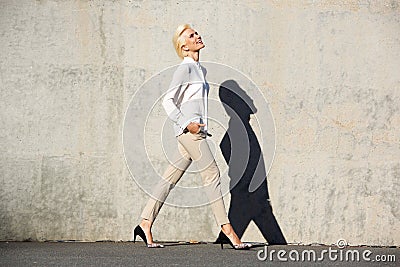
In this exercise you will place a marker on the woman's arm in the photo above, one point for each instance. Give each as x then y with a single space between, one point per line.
180 81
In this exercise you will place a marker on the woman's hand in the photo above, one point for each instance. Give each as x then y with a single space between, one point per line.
194 127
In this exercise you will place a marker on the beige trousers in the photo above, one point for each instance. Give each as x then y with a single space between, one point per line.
192 147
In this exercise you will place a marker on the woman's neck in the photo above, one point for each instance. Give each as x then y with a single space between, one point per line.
194 55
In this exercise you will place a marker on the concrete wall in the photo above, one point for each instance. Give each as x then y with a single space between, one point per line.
329 70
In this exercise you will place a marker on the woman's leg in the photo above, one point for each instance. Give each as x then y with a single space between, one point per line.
198 149
171 176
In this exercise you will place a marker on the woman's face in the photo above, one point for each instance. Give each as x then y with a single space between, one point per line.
193 41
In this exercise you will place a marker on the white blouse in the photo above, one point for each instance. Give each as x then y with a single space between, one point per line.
186 99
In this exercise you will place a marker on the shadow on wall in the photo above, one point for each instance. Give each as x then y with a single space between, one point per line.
242 153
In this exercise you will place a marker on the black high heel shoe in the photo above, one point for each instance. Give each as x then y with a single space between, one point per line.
222 238
139 231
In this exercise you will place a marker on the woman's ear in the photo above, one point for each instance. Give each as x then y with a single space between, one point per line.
185 48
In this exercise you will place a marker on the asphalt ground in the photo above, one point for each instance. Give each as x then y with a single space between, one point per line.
185 254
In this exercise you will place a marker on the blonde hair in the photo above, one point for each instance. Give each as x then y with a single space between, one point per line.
178 40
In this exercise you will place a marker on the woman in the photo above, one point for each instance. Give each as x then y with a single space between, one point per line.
186 105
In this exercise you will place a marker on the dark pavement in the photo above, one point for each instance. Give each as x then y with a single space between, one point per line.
174 254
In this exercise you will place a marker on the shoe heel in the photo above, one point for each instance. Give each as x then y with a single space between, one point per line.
138 231
222 245
135 233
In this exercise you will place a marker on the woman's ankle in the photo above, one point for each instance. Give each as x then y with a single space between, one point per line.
227 229
145 224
